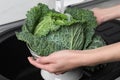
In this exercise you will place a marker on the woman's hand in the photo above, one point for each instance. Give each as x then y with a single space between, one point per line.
105 14
64 60
100 15
60 61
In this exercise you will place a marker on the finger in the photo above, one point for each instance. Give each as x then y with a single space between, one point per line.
43 60
36 64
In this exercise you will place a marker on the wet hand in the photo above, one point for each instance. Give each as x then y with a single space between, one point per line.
58 62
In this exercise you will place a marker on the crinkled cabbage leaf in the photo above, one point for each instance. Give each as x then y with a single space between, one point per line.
47 31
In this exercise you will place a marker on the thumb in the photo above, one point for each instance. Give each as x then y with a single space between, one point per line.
43 60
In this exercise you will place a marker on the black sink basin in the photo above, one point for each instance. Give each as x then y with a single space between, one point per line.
15 65
14 53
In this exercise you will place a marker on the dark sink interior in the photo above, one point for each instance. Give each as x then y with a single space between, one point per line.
14 64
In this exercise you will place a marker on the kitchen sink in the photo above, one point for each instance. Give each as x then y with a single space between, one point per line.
15 66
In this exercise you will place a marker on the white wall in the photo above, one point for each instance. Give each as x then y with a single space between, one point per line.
13 10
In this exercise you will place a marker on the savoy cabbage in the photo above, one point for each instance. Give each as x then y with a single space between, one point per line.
46 30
